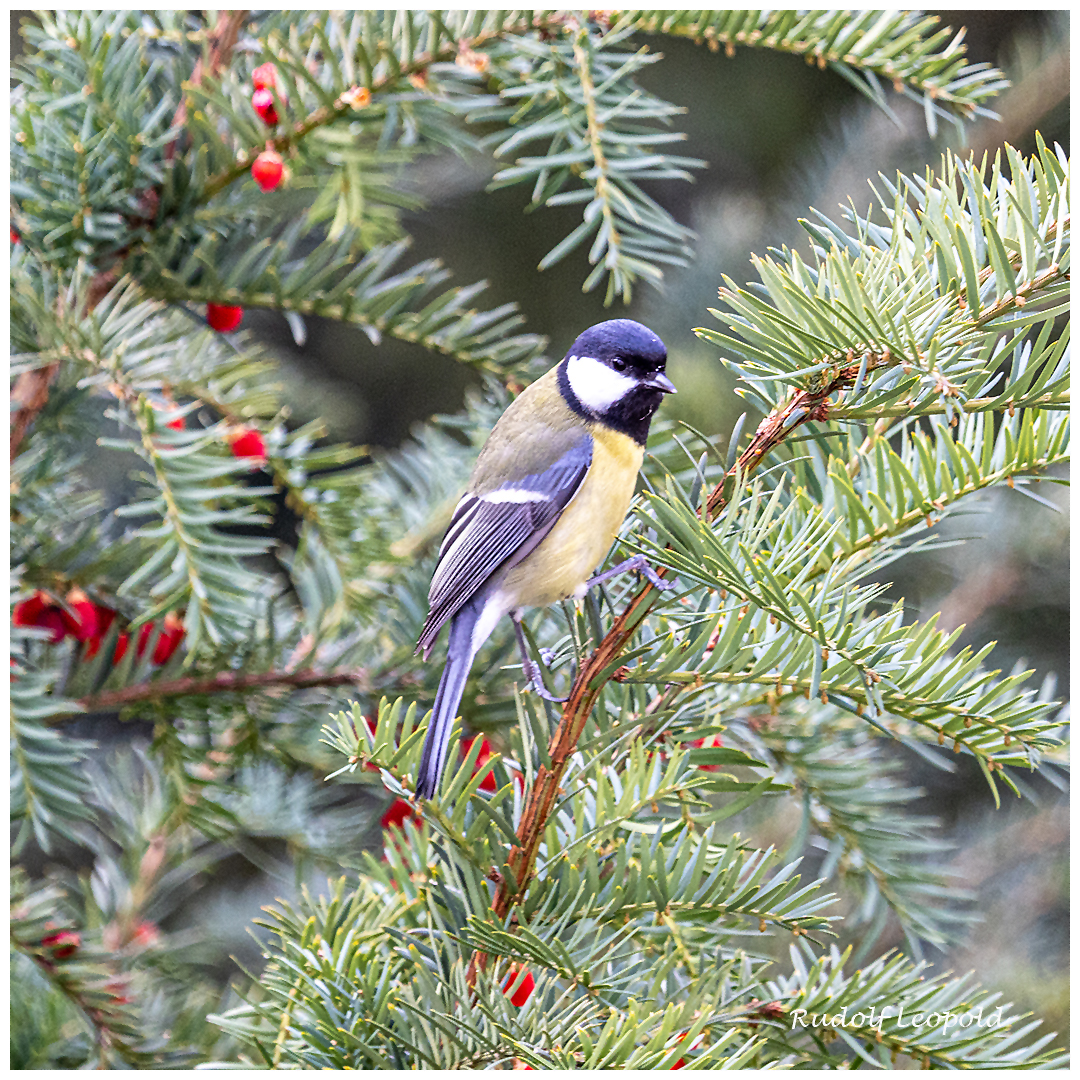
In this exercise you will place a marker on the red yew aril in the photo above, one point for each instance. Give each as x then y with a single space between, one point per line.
62 943
488 783
168 641
264 77
681 1063
105 618
262 101
144 638
117 989
248 443
267 170
145 934
172 633
43 612
399 811
525 987
707 742
223 317
81 616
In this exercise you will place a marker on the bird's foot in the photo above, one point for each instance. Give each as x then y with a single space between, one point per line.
533 674
638 564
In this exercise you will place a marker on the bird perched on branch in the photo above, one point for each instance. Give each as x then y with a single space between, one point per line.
549 491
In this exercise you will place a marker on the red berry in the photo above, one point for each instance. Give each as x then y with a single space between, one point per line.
400 811
105 617
62 944
81 620
262 101
681 1063
15 237
264 77
172 633
708 742
249 443
145 934
223 317
525 987
268 170
488 783
177 424
144 636
27 612
42 611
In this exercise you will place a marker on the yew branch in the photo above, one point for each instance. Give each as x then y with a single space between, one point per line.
601 666
222 683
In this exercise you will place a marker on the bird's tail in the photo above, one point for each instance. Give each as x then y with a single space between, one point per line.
460 654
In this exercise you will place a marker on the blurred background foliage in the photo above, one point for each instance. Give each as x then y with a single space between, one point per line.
778 137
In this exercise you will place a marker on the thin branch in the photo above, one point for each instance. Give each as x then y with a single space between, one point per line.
595 130
224 682
30 393
1059 401
602 665
327 114
221 40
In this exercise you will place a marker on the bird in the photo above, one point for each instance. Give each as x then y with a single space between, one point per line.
541 509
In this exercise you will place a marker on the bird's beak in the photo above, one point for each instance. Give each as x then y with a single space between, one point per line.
659 381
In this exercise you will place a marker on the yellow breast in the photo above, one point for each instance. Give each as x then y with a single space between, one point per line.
561 564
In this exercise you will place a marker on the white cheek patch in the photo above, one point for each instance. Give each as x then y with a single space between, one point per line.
514 495
596 385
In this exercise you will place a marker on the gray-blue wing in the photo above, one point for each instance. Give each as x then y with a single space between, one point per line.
498 528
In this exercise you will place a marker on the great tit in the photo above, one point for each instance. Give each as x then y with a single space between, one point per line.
549 491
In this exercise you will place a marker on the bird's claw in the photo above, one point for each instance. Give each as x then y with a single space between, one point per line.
532 673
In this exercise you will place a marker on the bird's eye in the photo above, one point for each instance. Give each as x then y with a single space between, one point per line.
618 363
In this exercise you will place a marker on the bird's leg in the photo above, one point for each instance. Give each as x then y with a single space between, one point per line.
531 670
638 563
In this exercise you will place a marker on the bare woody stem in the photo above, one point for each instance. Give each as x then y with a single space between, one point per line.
602 665
221 41
29 394
221 683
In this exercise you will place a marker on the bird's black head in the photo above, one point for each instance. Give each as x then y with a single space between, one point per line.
614 373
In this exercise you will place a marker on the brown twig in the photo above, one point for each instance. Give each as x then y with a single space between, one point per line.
326 114
602 665
221 41
30 392
221 683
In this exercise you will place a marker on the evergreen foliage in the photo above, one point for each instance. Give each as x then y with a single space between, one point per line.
577 896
